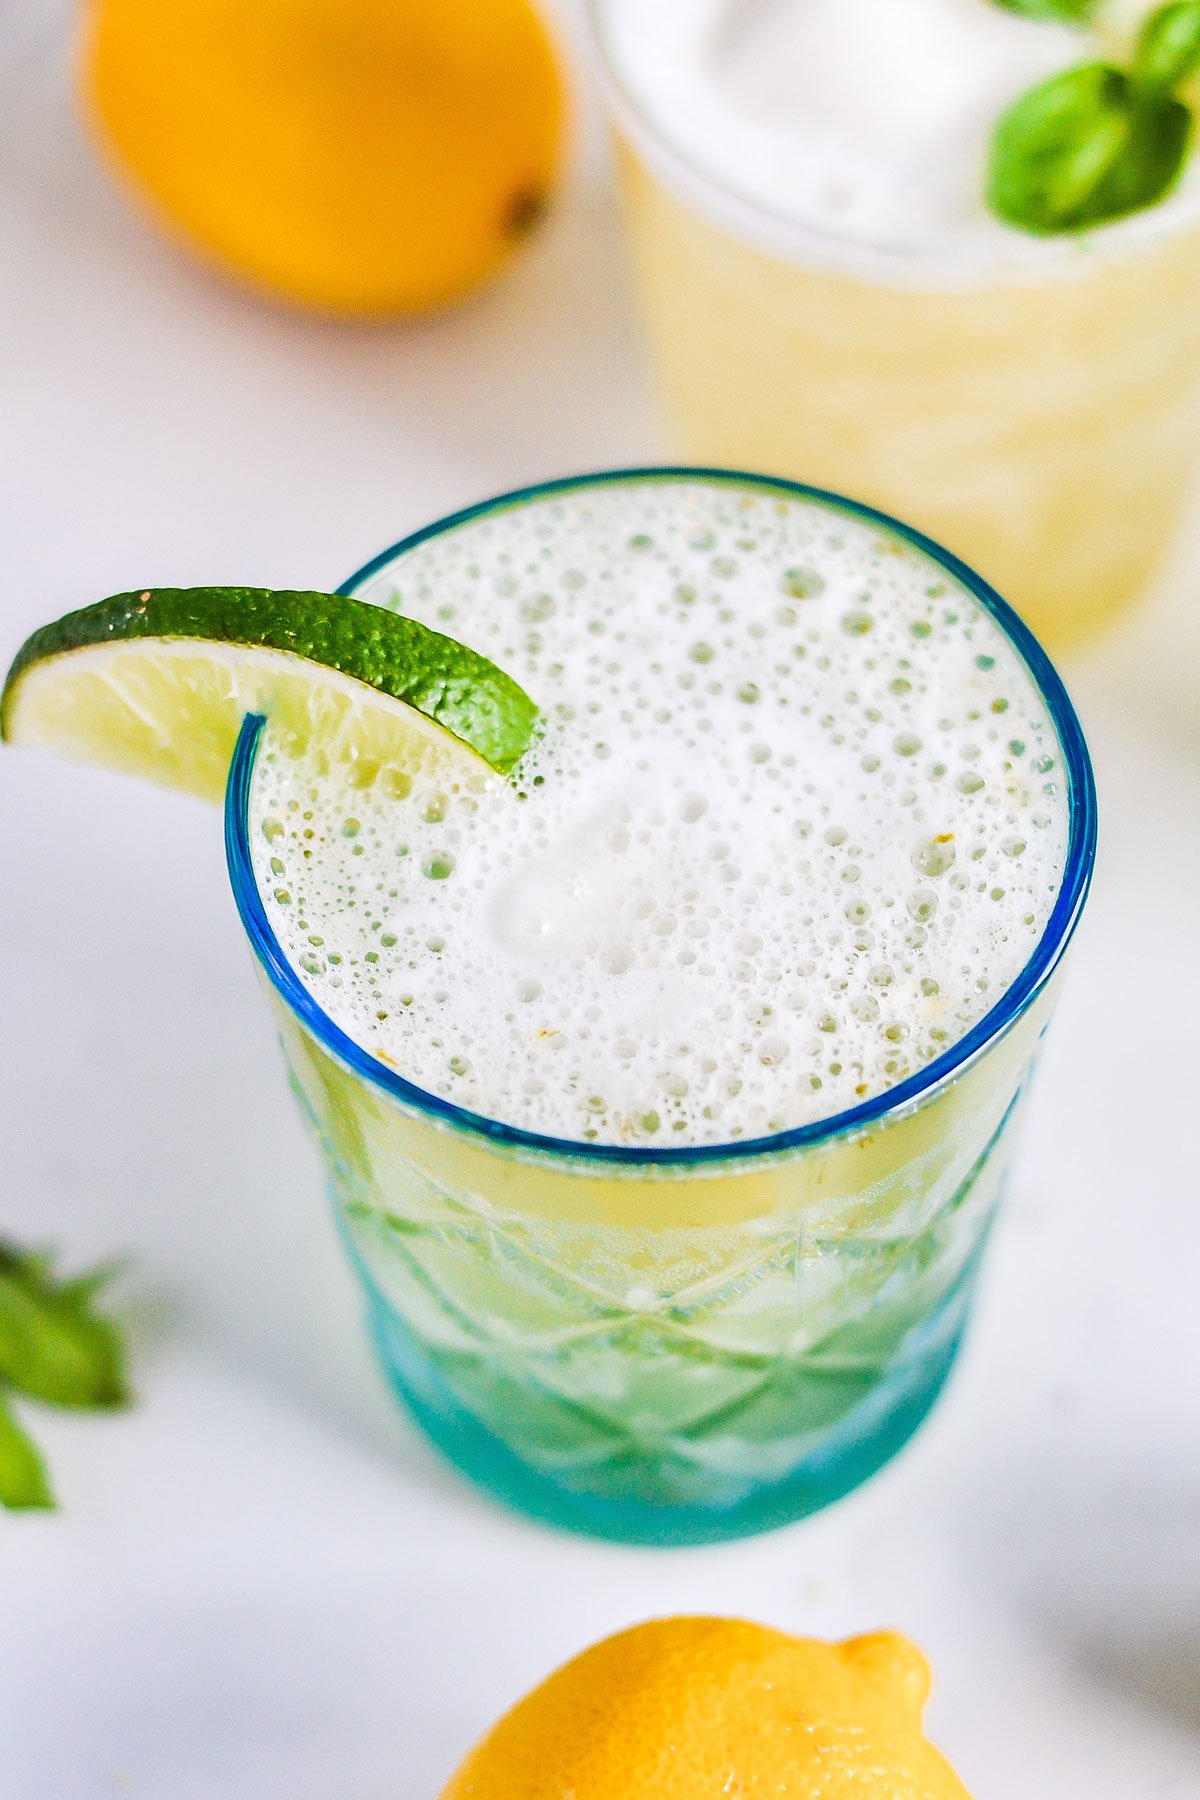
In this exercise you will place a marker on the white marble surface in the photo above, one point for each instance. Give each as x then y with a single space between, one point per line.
261 1585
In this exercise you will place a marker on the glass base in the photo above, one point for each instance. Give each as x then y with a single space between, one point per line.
866 1438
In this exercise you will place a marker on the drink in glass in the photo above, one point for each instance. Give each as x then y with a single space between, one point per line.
667 1087
827 297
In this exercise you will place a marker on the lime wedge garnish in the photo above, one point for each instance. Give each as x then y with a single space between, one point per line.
158 683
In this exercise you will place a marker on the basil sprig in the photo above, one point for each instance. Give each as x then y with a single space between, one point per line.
1098 142
56 1348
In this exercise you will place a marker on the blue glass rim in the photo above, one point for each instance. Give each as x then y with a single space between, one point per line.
1077 873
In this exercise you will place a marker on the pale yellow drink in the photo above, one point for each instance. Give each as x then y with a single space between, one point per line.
1038 415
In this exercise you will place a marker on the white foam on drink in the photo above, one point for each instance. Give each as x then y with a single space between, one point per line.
796 822
869 120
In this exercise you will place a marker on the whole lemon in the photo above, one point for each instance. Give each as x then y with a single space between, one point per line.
684 1708
359 156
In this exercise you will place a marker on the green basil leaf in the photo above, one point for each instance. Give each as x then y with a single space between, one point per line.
1074 12
1084 148
53 1347
1167 51
23 1479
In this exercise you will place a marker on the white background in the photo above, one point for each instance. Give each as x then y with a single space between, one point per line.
262 1586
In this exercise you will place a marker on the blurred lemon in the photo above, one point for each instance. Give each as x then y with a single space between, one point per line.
359 156
682 1708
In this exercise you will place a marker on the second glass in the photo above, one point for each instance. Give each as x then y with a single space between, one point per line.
1042 419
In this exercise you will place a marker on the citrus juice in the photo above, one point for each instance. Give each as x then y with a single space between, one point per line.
827 297
667 1084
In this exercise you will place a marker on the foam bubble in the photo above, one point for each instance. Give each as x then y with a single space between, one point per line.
761 865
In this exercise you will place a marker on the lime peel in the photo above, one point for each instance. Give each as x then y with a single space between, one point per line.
158 681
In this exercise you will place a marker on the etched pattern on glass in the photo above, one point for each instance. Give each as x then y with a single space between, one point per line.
671 1364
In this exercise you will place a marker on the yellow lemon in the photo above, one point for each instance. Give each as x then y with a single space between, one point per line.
358 156
684 1708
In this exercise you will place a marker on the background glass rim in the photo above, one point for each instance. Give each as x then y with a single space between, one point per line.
915 1089
780 234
